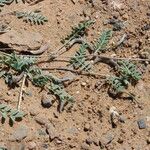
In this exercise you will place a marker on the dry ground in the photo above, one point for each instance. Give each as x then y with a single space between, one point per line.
87 125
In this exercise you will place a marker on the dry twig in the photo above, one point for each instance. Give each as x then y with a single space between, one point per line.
21 92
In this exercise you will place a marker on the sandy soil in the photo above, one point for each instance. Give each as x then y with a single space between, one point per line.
87 126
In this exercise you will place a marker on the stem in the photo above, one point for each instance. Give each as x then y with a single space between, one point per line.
21 92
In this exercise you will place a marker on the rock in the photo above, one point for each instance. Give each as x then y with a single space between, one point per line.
87 12
120 140
45 146
41 120
16 146
106 139
74 1
83 84
125 17
87 127
22 40
19 134
32 146
29 93
84 146
34 112
89 141
8 93
95 141
58 141
51 131
122 119
141 123
46 101
72 130
42 132
56 114
148 140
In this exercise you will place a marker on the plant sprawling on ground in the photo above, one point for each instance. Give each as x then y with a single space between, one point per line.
13 114
13 67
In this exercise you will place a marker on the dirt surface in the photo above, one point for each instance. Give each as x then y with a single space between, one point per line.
87 126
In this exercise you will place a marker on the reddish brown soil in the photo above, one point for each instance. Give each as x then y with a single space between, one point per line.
87 125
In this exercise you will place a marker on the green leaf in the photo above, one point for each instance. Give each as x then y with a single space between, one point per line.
60 92
5 2
2 72
19 63
79 60
4 115
12 119
2 106
129 70
117 84
32 17
79 30
103 40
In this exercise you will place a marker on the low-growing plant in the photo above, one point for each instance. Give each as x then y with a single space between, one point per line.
21 63
5 2
102 42
25 64
79 30
128 73
129 70
32 17
12 114
79 59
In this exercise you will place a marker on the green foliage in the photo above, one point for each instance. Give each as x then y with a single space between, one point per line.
8 78
13 115
59 91
5 2
128 73
79 60
3 148
39 79
103 40
118 84
18 63
32 17
129 70
79 30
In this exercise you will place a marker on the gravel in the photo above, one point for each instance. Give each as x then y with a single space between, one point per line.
41 120
19 134
141 123
46 103
51 131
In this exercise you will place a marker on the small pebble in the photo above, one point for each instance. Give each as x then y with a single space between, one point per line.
58 141
33 112
8 93
84 146
89 141
41 120
106 139
50 129
87 127
120 140
32 146
46 102
148 140
83 83
122 119
19 133
141 123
